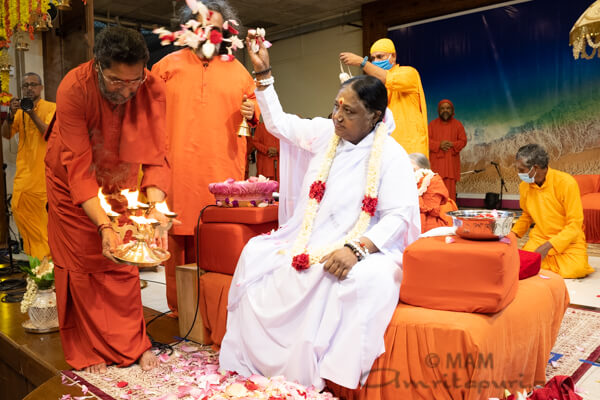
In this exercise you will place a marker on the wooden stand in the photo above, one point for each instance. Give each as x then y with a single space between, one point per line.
187 299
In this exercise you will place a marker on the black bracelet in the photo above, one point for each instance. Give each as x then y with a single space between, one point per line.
354 251
264 71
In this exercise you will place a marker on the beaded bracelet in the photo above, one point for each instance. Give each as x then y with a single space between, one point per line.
355 250
102 227
364 61
264 71
265 82
362 246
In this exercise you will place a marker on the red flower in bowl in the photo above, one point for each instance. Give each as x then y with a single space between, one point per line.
317 190
369 205
301 261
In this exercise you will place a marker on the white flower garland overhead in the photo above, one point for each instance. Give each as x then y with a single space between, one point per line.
423 177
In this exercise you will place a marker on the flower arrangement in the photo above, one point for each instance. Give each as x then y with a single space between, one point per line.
303 257
40 276
423 177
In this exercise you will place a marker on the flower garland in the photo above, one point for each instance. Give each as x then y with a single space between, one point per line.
29 295
423 177
303 257
195 33
5 96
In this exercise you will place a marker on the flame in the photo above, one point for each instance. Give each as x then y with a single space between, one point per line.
104 204
142 220
163 208
132 199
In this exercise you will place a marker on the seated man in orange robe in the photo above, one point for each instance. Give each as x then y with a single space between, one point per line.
109 121
432 193
447 138
267 149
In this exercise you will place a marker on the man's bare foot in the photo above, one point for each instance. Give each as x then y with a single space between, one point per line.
96 368
148 361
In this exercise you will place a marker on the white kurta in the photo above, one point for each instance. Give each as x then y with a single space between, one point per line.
309 326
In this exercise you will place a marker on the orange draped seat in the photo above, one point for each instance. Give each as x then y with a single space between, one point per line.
589 188
438 354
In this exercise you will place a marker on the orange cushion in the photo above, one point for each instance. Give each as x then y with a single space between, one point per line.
468 275
221 244
588 183
212 303
591 201
241 215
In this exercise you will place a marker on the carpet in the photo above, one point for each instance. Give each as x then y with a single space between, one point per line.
577 346
190 372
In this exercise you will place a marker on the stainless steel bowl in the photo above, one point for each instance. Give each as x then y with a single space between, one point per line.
482 224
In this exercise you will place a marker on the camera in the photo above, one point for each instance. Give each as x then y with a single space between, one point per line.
26 104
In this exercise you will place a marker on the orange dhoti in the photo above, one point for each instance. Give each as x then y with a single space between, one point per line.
31 217
114 330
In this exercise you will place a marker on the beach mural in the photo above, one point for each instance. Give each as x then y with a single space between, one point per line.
513 80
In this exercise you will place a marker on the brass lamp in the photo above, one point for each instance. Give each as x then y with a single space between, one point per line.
64 5
585 33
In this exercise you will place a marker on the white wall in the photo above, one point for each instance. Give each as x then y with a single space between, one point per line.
306 68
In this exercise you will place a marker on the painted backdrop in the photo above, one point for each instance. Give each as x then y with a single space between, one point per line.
513 80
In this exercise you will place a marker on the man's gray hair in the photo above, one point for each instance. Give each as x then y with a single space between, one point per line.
420 160
39 78
533 154
220 6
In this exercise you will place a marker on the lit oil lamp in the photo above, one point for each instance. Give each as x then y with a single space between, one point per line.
139 251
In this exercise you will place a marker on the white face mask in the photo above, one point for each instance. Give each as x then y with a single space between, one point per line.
524 176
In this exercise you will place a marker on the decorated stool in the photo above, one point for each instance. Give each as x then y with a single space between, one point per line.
225 231
466 275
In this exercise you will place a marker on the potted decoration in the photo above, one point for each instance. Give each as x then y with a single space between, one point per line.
39 301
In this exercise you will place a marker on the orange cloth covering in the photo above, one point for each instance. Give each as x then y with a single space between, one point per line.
589 187
94 143
29 187
262 141
447 163
435 354
449 276
407 102
430 204
203 118
556 209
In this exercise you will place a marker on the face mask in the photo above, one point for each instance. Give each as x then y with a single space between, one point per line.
384 64
525 176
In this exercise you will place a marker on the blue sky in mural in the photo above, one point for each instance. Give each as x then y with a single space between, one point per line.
501 67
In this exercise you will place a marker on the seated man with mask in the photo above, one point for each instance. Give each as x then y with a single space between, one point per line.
405 94
550 199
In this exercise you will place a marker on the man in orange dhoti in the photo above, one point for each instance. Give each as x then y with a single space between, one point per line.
405 93
109 121
432 193
29 187
204 100
550 199
267 152
447 138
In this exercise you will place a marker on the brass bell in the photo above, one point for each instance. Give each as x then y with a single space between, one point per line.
244 128
64 5
22 45
42 24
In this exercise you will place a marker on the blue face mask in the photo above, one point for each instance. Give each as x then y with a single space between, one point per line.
384 64
525 176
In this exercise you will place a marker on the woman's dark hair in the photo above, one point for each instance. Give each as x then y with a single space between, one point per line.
533 154
121 45
371 92
220 6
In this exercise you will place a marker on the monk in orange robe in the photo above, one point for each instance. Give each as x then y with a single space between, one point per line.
109 121
205 102
432 193
267 152
447 138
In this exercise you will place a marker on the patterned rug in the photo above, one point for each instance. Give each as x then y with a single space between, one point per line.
190 372
577 347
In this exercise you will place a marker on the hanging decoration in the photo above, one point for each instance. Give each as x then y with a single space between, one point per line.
5 65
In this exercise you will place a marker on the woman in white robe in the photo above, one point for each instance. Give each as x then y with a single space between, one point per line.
326 322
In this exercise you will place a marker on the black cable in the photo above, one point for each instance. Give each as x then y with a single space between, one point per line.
13 297
12 284
162 346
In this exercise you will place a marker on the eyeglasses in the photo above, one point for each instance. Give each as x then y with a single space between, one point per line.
121 83
30 85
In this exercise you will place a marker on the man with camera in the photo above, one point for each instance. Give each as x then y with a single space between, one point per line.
29 117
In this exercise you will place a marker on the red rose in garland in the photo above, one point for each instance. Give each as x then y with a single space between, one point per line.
301 262
317 190
369 205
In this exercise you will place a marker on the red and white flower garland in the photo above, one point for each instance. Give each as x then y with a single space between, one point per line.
302 256
423 177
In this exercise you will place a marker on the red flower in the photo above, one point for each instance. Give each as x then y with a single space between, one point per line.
215 37
301 261
317 190
122 384
232 30
369 205
251 385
